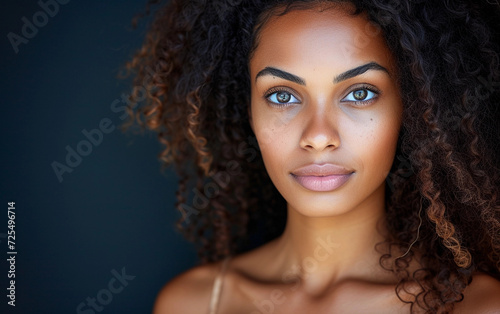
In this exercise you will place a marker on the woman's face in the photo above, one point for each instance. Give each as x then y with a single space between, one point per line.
325 109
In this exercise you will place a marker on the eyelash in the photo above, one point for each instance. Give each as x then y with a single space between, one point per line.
276 90
369 88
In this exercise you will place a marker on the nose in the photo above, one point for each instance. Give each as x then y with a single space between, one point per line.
320 132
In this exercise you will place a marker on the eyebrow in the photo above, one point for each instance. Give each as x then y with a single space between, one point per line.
280 73
359 70
339 78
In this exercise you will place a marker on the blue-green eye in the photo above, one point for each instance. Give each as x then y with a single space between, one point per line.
282 97
361 95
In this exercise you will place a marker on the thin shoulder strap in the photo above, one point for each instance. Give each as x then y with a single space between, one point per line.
214 300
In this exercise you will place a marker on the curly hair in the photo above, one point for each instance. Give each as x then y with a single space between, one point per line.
443 186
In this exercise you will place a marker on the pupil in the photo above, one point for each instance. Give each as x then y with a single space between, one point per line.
283 97
360 94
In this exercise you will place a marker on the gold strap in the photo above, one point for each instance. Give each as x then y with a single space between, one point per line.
216 291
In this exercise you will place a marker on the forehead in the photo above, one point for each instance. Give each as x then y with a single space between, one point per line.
320 38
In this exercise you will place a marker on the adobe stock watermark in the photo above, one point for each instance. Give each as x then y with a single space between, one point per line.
74 157
324 249
371 30
487 87
94 137
30 27
219 180
116 284
403 171
222 8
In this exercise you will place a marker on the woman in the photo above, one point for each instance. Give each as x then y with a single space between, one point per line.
334 156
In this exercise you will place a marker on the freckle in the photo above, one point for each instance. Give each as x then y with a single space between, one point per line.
371 119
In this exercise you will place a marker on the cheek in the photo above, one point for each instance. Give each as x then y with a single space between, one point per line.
276 143
379 144
272 140
271 130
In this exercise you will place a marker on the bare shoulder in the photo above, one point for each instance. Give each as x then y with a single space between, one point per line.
481 296
188 292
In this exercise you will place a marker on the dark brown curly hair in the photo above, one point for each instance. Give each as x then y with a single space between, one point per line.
192 72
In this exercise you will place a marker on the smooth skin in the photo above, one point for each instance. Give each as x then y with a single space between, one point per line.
324 90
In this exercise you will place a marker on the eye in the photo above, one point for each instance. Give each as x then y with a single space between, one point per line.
281 97
361 95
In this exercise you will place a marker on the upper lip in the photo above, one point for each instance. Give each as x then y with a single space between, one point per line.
321 170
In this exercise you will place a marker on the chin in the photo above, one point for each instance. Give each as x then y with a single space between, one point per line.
314 207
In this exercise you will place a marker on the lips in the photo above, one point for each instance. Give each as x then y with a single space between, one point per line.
321 178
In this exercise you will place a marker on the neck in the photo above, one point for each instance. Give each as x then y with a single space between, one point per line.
319 251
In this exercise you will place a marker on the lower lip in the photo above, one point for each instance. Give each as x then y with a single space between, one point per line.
322 184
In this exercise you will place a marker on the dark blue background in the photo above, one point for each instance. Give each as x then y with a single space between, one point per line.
116 209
